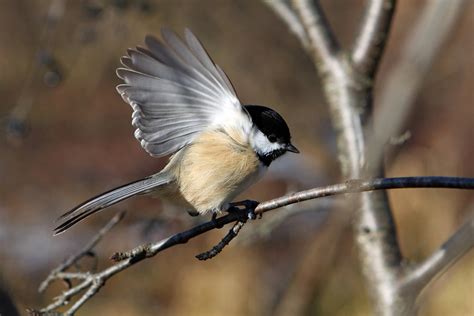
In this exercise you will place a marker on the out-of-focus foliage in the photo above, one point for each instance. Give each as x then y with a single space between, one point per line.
66 135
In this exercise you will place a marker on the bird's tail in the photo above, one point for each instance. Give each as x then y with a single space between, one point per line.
109 198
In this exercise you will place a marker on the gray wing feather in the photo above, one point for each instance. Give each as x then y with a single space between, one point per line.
203 57
175 90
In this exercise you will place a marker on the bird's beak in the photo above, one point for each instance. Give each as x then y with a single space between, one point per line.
292 148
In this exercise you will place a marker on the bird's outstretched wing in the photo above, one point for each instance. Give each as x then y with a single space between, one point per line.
176 91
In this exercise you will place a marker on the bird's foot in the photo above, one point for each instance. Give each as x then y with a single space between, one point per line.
249 205
215 221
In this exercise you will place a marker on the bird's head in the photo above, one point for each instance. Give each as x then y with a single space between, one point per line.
270 136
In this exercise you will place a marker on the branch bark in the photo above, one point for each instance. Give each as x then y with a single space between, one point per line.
349 96
322 41
372 35
92 282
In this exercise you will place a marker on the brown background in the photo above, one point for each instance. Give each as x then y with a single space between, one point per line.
76 141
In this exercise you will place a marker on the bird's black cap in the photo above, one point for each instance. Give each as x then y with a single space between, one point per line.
270 123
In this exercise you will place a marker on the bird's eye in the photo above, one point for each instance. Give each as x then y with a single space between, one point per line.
272 138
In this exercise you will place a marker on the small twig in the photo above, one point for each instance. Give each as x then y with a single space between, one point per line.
63 299
149 250
85 251
233 232
95 285
86 277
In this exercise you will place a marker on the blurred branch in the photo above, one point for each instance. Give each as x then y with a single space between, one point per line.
337 78
85 251
404 82
92 282
416 279
373 33
323 44
283 9
59 274
349 97
348 90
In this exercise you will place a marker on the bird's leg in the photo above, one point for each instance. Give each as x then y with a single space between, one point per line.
214 220
249 205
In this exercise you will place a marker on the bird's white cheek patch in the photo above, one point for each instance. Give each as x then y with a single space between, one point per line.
261 144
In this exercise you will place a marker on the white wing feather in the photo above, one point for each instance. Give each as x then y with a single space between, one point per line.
176 91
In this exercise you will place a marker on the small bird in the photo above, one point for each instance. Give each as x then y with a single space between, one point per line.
185 105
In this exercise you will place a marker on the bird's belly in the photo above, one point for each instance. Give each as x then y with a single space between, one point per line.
213 171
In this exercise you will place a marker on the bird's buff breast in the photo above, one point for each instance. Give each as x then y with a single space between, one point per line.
215 169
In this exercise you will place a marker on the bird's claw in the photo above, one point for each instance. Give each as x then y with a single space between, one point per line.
251 214
249 205
215 221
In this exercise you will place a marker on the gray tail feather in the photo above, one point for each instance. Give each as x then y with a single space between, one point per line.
107 199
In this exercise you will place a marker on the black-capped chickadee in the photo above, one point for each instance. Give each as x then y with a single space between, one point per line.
184 104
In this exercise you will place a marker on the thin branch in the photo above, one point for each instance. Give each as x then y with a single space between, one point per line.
265 229
372 36
357 186
404 82
85 251
283 9
415 280
350 186
233 232
93 282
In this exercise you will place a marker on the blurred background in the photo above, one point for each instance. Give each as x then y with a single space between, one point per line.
65 136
